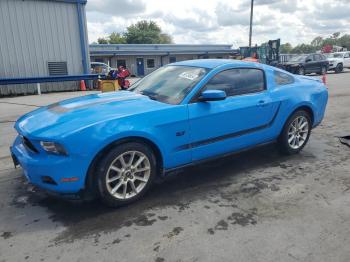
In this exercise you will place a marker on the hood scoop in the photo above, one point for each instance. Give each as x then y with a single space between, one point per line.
60 107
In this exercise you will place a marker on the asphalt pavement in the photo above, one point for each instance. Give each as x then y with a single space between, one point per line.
254 206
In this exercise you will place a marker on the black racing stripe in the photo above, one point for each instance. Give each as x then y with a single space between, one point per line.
228 136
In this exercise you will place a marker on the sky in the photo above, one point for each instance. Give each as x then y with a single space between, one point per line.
224 21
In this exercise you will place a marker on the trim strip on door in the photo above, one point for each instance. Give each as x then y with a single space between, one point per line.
228 136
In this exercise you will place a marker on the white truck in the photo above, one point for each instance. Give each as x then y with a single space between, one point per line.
338 61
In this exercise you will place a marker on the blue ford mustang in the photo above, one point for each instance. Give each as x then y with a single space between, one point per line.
116 144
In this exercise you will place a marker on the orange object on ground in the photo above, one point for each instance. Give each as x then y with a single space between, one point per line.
251 59
82 85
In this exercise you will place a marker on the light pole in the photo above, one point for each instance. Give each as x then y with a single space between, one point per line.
251 23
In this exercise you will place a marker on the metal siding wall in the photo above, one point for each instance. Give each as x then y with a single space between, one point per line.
34 32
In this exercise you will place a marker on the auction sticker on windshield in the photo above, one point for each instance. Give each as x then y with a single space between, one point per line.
188 75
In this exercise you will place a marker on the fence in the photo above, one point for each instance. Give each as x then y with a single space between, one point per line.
39 80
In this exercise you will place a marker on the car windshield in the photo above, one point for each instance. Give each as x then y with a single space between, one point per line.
299 58
169 84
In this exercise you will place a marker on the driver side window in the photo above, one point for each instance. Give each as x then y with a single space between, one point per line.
238 81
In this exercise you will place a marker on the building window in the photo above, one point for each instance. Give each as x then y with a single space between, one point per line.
121 62
172 59
57 68
150 63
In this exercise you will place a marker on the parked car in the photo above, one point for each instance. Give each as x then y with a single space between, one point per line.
338 61
306 64
115 144
100 68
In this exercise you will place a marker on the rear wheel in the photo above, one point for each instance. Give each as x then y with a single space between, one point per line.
295 133
338 68
125 174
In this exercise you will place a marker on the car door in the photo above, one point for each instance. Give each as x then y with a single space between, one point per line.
321 61
310 64
218 127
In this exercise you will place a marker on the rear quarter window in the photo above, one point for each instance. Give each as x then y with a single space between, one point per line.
283 78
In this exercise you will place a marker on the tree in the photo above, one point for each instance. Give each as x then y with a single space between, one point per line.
317 44
304 49
286 48
344 41
143 32
116 38
146 32
335 35
317 41
165 39
102 40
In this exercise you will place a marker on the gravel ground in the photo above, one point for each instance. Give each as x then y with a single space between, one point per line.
255 206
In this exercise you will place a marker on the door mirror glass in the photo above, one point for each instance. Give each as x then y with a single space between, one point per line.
308 60
212 95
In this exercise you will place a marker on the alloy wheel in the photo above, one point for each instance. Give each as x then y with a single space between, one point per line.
298 132
128 174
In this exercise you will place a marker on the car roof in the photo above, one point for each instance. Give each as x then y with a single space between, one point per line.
212 63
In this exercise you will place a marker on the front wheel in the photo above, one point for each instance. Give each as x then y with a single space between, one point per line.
338 68
295 133
301 71
125 174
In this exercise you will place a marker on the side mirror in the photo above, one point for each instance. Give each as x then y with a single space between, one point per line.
308 60
212 95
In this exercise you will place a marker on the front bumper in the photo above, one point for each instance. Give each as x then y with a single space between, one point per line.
50 172
332 66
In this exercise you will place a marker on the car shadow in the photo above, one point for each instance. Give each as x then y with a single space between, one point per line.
195 183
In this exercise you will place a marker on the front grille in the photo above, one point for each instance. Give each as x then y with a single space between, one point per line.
29 145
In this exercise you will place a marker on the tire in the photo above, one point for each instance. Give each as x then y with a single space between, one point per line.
301 71
119 183
286 143
339 68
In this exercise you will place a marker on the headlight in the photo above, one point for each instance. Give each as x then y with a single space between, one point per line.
53 148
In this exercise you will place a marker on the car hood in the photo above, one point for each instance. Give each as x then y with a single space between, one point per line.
335 59
62 118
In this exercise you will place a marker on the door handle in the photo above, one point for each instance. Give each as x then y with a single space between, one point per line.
262 103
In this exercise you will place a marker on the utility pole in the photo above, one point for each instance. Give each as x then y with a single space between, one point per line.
251 23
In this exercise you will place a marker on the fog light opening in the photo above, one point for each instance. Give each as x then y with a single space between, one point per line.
48 180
